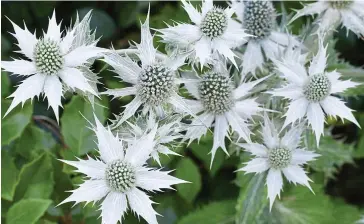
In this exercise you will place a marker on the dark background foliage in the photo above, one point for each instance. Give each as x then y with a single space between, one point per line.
34 179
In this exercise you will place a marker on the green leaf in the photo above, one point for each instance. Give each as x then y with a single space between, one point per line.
9 175
101 21
252 199
334 154
77 136
128 13
15 122
221 212
27 211
36 179
5 84
359 152
188 171
35 137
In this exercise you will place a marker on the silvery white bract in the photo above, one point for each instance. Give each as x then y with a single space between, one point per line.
214 31
53 61
258 18
154 84
168 131
361 221
119 175
331 13
218 103
278 155
310 91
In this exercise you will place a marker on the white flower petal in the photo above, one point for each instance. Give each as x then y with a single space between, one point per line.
199 126
166 151
296 174
74 78
274 184
194 105
54 29
300 156
28 89
337 85
207 5
239 125
293 71
156 180
296 110
181 35
290 91
54 92
256 165
335 107
310 9
110 147
252 58
353 21
255 149
126 91
130 110
113 208
244 88
318 63
238 7
146 49
191 83
316 119
291 138
90 190
220 131
203 50
80 55
141 204
127 69
271 49
247 108
19 67
138 153
270 133
67 41
181 106
93 168
284 39
194 15
329 20
234 36
26 40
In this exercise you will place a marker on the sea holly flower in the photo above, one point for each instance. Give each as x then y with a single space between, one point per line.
214 31
222 105
169 130
350 13
258 18
278 155
120 177
154 83
310 91
53 62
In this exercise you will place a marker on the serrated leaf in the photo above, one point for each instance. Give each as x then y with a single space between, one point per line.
27 211
252 199
14 123
77 136
188 171
35 137
221 212
9 176
35 179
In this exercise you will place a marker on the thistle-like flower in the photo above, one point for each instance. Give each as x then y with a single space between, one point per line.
53 61
219 102
155 82
278 155
310 91
213 31
119 175
350 13
258 18
168 131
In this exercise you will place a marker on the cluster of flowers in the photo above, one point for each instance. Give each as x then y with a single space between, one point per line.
223 97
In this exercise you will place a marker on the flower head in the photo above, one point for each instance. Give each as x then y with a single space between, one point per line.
119 177
258 18
213 31
154 83
168 131
310 92
331 13
278 154
218 101
54 63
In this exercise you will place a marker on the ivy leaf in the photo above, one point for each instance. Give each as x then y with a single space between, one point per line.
35 137
75 122
9 175
252 199
27 211
221 212
188 171
35 179
334 154
15 122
